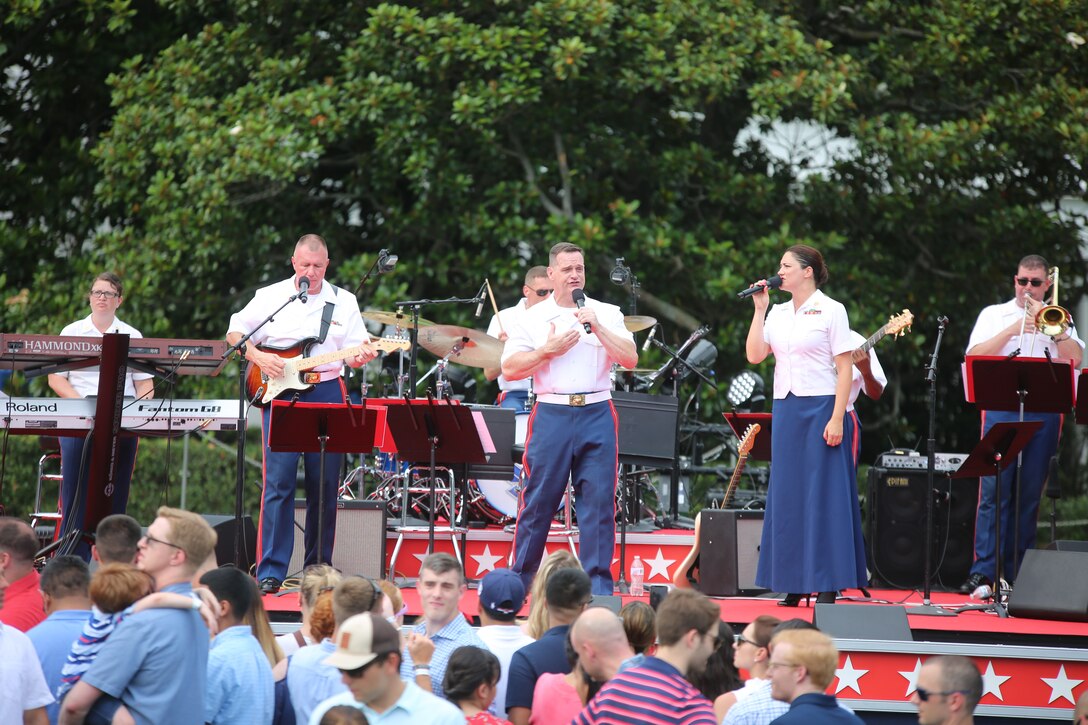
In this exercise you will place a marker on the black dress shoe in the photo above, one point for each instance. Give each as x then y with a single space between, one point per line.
826 597
974 582
270 585
792 600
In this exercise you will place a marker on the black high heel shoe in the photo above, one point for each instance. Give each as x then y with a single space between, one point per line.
792 600
826 597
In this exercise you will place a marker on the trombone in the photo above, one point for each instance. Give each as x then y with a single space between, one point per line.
1052 320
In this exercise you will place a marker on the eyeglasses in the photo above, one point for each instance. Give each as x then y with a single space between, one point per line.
358 671
772 665
149 537
1024 281
103 294
740 639
924 694
542 292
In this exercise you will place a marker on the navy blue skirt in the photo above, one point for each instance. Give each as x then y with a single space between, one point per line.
812 539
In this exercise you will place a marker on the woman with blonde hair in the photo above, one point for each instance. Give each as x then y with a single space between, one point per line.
537 624
315 579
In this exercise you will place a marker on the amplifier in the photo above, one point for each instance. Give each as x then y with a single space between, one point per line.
915 461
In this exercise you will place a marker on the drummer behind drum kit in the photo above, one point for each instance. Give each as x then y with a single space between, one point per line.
488 500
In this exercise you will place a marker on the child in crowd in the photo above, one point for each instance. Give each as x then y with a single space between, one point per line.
470 682
118 591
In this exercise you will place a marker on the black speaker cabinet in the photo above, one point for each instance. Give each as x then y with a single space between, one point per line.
359 547
224 544
863 621
647 435
896 515
1051 585
1068 545
729 552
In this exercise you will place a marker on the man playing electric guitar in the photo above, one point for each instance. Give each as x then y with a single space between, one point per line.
331 316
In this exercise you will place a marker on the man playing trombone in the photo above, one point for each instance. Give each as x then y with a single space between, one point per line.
1023 323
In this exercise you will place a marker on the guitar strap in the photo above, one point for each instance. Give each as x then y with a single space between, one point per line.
326 320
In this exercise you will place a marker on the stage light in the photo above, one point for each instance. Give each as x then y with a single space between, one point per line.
746 392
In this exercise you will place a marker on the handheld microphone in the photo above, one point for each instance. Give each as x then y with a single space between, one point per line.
773 282
579 298
303 287
649 338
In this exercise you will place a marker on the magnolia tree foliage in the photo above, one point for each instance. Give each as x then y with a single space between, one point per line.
688 136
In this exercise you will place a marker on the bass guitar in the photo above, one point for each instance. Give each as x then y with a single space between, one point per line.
684 572
896 326
261 389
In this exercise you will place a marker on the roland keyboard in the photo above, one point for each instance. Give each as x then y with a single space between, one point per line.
154 417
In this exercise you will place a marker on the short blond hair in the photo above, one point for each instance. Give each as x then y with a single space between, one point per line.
812 649
191 533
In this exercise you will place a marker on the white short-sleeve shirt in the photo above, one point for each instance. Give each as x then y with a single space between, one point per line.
995 318
805 343
856 382
299 321
509 317
586 367
85 381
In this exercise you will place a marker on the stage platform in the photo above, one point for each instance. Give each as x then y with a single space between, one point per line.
1033 669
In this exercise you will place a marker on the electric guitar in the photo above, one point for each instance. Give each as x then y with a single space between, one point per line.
680 575
261 389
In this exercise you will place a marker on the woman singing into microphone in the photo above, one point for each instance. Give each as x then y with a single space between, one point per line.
812 538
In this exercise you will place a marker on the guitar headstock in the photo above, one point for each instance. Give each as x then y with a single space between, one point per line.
899 325
748 439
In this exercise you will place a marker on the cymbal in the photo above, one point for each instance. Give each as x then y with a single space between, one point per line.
394 318
638 323
479 350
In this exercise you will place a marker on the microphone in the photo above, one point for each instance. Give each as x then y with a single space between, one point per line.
579 298
303 286
481 298
773 282
649 338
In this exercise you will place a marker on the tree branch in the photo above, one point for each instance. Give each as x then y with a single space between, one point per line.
564 175
530 174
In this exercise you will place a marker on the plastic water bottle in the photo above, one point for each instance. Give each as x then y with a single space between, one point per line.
982 593
638 572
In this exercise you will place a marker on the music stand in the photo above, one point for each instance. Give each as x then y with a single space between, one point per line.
1035 384
739 422
1082 397
320 428
439 432
990 456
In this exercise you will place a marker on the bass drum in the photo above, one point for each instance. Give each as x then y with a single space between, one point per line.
494 500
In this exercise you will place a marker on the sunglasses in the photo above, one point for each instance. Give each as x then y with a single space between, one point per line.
542 292
924 694
1024 281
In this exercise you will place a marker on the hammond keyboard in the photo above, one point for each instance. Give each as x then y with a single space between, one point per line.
154 417
43 354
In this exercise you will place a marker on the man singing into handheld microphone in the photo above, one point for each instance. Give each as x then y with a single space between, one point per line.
568 343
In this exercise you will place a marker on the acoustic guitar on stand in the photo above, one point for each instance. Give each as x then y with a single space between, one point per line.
261 389
689 564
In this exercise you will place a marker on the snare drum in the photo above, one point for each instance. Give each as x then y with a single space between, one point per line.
497 500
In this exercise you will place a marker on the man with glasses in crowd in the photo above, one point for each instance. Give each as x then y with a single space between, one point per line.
658 690
514 394
801 667
948 689
368 657
998 332
155 663
104 299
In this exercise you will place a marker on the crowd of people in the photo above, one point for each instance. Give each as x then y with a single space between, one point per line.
159 634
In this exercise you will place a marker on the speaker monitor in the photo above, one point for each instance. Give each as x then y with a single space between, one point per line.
729 552
359 546
1068 545
896 515
863 621
224 543
1051 585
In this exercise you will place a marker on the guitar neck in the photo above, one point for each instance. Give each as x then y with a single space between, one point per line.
728 499
874 338
311 362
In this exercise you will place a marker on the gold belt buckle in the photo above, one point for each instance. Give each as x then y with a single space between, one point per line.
578 400
311 378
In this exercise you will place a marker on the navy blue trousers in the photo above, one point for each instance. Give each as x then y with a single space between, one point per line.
277 530
579 444
71 455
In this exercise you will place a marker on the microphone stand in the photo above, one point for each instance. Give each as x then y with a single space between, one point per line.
413 333
383 264
927 607
240 472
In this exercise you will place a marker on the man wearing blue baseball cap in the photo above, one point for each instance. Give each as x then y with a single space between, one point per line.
502 595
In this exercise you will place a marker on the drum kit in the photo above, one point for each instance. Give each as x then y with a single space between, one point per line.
485 500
